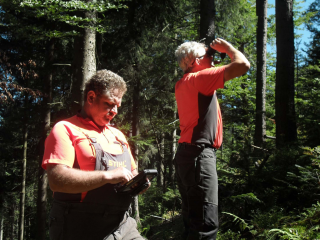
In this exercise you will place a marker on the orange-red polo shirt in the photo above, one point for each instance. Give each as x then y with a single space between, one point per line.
68 141
198 107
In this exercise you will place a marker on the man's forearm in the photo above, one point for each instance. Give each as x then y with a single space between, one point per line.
69 180
239 64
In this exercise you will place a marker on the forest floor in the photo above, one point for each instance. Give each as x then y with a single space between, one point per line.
170 229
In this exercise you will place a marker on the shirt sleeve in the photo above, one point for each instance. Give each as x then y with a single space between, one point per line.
208 80
58 147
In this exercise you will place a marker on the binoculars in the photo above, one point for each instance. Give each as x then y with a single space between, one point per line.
212 52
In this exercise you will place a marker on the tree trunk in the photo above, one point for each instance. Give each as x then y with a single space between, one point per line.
12 216
136 98
260 128
163 165
1 226
136 132
29 228
174 138
23 180
42 174
99 44
286 129
173 150
84 62
207 20
160 165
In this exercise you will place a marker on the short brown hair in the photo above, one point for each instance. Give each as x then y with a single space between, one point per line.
104 80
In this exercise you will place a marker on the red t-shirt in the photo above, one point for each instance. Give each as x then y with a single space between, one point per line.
198 107
67 140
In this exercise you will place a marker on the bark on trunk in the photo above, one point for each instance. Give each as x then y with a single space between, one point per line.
42 175
13 219
163 165
207 20
136 99
23 180
1 226
286 129
160 165
173 137
84 63
99 43
173 150
136 132
260 130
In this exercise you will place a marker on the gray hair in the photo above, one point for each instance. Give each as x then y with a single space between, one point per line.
187 52
104 80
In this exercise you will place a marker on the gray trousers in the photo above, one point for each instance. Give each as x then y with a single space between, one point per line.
127 231
198 185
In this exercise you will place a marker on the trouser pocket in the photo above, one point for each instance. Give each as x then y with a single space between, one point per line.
186 167
55 228
127 231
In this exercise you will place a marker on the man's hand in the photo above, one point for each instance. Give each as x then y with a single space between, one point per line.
220 45
239 64
135 172
119 175
144 190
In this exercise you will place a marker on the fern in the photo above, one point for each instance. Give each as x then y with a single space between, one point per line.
242 223
247 197
285 234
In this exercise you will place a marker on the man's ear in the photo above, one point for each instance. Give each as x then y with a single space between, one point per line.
91 96
197 61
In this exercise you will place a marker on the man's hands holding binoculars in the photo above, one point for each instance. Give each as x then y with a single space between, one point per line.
220 45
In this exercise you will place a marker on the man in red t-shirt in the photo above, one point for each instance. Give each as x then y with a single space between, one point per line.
201 132
85 158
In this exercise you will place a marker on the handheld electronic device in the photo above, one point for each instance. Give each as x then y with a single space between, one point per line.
138 183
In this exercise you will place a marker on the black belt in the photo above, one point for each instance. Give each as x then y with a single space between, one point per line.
91 207
197 146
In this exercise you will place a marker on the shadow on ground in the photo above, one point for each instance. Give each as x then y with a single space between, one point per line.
171 229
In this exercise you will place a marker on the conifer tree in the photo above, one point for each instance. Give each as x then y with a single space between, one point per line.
260 126
286 130
42 175
207 20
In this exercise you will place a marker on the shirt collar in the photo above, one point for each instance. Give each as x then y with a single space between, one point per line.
88 121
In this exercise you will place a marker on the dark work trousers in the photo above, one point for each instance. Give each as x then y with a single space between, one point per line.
198 185
81 221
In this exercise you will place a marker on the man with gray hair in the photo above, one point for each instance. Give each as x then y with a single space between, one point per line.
201 132
85 158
